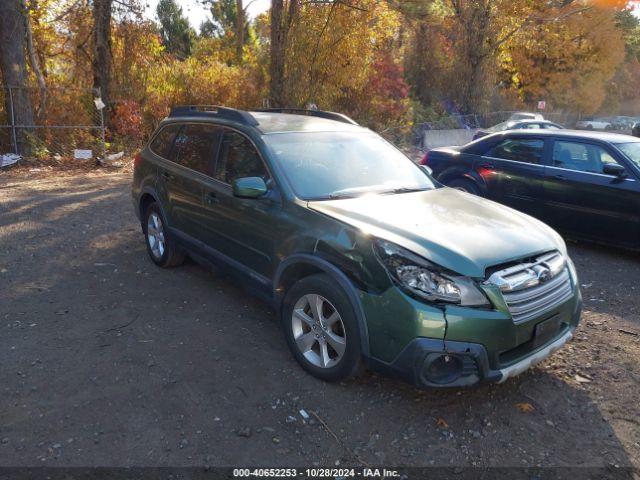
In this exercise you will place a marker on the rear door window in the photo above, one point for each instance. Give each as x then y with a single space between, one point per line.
524 150
163 141
196 147
238 158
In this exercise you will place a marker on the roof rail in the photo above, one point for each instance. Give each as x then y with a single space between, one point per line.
338 117
215 111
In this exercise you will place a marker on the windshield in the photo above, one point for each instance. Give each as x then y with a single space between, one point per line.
324 165
631 150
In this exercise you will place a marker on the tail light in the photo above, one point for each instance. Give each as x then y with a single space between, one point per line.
137 160
425 159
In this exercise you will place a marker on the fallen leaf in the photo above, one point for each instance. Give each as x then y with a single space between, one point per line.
581 379
441 423
525 407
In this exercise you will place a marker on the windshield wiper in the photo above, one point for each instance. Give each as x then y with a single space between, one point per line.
359 191
409 189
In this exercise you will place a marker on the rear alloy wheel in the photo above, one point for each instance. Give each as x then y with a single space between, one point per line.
160 245
155 235
321 328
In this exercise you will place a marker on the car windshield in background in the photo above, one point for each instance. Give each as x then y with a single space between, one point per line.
324 165
500 127
631 150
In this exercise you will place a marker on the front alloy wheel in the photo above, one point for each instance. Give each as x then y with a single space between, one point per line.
321 328
318 331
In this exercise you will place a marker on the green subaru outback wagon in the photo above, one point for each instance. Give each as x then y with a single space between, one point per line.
367 260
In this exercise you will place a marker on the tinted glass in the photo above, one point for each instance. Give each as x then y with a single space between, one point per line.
582 157
550 126
632 151
320 165
163 141
530 126
196 146
518 149
238 159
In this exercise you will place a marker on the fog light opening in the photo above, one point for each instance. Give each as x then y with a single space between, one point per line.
442 368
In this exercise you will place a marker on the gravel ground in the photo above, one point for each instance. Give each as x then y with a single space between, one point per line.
106 360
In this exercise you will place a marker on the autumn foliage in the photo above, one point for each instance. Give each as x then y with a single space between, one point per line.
386 63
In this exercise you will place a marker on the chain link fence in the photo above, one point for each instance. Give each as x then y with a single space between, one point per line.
454 130
66 123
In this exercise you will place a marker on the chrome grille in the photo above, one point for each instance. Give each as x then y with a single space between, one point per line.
533 288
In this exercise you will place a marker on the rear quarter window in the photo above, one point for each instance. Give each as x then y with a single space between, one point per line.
163 141
523 150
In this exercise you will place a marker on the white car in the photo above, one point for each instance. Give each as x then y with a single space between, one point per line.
594 124
525 116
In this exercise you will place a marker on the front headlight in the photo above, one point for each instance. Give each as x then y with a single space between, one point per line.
426 280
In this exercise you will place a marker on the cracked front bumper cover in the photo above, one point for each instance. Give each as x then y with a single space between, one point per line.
409 365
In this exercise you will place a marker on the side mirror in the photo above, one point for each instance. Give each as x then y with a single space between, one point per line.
427 169
614 169
249 187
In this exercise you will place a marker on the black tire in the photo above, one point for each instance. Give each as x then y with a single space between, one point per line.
171 255
465 185
350 364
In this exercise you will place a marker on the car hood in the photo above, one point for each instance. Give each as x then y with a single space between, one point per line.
458 231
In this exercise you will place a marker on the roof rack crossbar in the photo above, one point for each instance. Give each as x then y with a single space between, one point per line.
339 117
214 111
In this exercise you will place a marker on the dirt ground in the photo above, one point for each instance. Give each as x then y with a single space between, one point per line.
106 360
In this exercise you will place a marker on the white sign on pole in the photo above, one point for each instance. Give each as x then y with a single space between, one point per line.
542 105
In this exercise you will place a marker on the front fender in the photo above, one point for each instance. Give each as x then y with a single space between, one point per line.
336 274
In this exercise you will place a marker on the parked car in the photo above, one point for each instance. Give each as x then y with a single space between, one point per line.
594 124
622 123
526 116
518 125
636 130
586 184
365 258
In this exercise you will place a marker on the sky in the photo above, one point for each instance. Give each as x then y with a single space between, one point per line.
197 13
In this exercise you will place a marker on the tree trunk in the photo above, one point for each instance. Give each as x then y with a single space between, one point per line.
101 63
276 66
13 67
35 66
240 24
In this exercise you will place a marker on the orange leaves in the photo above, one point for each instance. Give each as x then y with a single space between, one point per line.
619 4
127 120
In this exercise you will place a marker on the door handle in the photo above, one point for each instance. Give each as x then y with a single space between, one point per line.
559 177
167 176
487 165
211 198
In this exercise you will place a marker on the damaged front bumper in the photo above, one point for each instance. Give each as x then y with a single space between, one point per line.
478 345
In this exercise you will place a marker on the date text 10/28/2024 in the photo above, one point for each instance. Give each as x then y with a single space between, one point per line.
315 473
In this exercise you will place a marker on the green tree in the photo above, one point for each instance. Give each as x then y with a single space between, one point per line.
229 22
223 19
177 35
